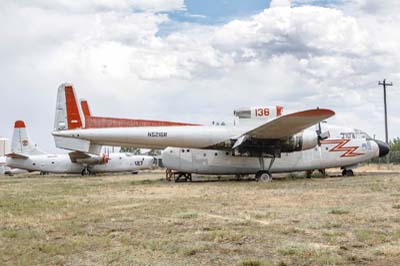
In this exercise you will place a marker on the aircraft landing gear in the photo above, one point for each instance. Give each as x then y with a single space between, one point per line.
86 172
43 173
347 172
263 176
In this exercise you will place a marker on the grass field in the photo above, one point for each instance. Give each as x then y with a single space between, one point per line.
143 220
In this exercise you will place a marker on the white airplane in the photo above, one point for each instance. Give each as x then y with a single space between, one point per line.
261 134
6 170
345 149
25 155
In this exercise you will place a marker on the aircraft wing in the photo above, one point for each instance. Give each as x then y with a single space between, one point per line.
289 125
75 155
17 156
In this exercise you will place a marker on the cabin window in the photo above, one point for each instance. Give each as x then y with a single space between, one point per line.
227 153
52 162
34 164
188 150
204 154
170 151
216 154
183 150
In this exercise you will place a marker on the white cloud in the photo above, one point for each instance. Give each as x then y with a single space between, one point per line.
280 3
299 57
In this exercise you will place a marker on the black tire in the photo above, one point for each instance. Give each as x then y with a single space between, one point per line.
263 176
347 172
85 172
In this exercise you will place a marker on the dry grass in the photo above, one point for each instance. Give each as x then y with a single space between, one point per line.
142 220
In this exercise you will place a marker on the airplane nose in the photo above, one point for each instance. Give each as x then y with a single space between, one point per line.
383 148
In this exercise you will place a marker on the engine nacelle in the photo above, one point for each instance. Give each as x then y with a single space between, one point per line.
265 112
306 140
94 159
274 147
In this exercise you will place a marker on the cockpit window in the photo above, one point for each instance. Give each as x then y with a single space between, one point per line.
361 134
357 134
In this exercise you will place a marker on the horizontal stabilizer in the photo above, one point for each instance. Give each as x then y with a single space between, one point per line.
78 145
17 156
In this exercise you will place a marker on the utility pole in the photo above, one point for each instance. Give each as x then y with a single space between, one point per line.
385 84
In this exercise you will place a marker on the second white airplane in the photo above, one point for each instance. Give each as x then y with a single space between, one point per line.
25 155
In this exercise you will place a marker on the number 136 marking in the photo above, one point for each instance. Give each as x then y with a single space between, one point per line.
262 112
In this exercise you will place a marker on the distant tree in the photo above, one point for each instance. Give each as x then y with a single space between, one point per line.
135 151
395 144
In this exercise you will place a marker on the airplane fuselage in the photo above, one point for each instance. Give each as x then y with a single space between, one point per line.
154 137
344 148
353 152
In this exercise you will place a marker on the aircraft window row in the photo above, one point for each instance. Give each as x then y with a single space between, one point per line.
216 154
184 150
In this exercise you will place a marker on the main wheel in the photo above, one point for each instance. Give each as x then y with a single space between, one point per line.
263 176
347 172
85 171
188 177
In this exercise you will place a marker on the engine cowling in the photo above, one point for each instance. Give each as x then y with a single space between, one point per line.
303 141
254 147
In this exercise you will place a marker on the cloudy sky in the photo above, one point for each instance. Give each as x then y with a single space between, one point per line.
196 61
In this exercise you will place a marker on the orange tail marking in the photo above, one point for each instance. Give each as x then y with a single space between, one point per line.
73 116
85 108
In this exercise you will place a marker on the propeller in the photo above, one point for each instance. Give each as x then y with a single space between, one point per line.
321 135
106 156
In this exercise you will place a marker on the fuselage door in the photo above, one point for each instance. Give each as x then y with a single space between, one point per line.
186 160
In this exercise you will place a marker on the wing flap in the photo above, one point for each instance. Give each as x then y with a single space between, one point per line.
289 125
76 155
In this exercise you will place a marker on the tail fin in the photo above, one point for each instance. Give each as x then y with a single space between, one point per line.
68 112
85 108
21 144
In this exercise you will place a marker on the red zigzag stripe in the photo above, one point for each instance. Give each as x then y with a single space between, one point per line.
349 151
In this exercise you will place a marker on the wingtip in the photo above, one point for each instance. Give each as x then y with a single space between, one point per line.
316 112
19 124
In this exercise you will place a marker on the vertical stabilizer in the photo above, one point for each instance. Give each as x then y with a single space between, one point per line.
21 143
68 112
85 108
